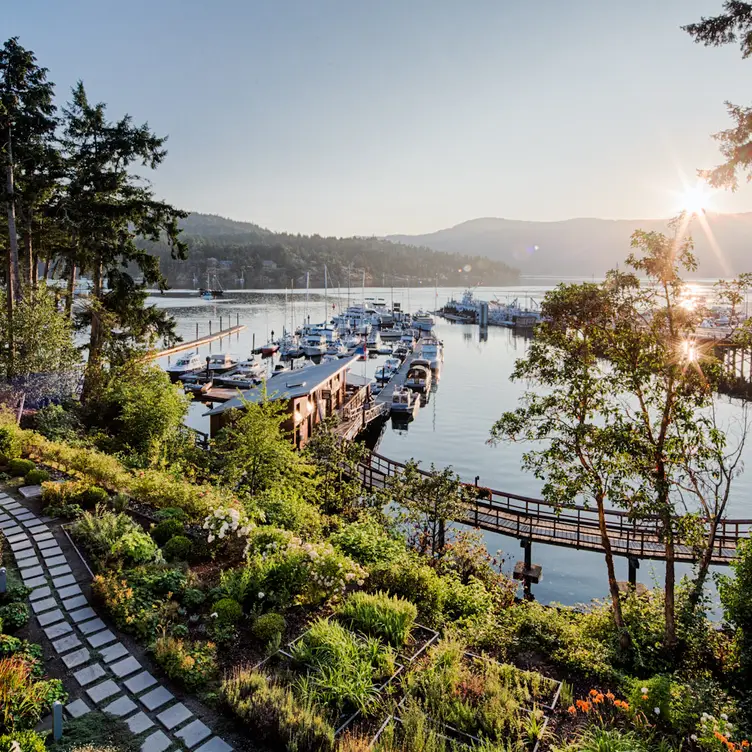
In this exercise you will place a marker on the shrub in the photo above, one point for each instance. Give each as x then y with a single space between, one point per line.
192 598
368 543
379 615
73 492
285 507
269 628
36 477
172 513
10 442
14 616
19 468
135 547
58 423
191 663
273 713
92 496
177 548
114 538
27 741
168 528
23 699
228 611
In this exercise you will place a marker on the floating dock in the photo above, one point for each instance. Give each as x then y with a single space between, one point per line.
194 344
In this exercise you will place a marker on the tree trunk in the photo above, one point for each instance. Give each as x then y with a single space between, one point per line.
702 570
613 585
28 254
14 286
93 365
71 289
670 605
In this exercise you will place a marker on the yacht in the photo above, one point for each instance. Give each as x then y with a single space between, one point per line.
419 375
337 348
432 350
289 346
374 340
392 333
185 364
423 321
314 345
221 362
404 401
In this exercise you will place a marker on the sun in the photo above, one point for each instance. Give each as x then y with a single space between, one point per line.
695 199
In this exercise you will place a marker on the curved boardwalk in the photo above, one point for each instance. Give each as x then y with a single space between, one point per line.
573 527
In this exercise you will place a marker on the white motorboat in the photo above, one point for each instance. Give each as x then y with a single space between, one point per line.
423 321
394 363
432 350
383 374
221 362
254 368
337 348
419 376
314 345
404 401
374 340
185 364
408 338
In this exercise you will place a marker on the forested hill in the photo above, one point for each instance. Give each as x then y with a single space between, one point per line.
238 251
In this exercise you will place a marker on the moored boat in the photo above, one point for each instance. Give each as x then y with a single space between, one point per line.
184 364
405 402
419 375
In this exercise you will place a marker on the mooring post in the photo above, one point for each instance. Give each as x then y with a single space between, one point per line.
634 565
3 580
57 719
197 330
220 323
526 571
209 327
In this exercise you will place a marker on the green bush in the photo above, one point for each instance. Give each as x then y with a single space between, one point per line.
114 539
389 618
58 423
177 548
273 713
36 477
168 528
285 507
14 616
92 496
228 611
368 543
172 513
10 442
192 598
28 741
135 547
269 628
191 663
19 468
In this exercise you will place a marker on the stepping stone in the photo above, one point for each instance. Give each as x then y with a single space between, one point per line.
67 592
193 733
7 524
66 643
139 722
82 614
58 630
50 617
57 571
156 698
77 657
113 652
44 544
30 522
100 638
30 492
27 563
32 572
37 529
40 592
45 536
125 667
21 545
35 582
52 551
45 518
44 605
215 744
91 626
56 561
140 682
16 536
27 553
157 742
23 516
122 706
77 708
75 602
67 579
89 674
174 716
100 692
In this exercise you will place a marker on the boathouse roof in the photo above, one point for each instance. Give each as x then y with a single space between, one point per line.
288 384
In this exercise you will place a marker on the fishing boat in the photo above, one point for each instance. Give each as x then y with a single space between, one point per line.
184 364
211 292
221 362
419 375
405 402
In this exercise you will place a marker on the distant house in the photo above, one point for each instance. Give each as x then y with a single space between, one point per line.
269 264
310 394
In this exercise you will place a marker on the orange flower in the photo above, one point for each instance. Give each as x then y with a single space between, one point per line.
745 744
593 692
610 696
598 699
644 697
572 710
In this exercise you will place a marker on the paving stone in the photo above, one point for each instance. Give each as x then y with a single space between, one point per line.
125 667
30 492
42 537
50 617
20 544
7 524
67 592
140 682
66 643
89 674
77 708
91 626
57 571
48 543
193 733
157 742
55 561
38 529
75 602
52 551
30 522
156 698
26 515
77 657
139 722
44 605
35 582
45 518
27 563
60 582
113 652
82 614
58 630
100 638
215 744
174 716
16 536
29 574
26 553
122 706
40 592
100 692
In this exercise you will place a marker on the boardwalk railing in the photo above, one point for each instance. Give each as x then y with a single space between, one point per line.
571 526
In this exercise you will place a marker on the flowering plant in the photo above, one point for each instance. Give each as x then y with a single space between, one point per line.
230 526
605 706
719 735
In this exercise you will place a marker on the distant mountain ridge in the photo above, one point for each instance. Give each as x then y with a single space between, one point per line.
588 246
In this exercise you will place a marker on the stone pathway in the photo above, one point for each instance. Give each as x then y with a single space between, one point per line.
110 677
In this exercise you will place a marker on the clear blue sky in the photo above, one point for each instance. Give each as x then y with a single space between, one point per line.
389 116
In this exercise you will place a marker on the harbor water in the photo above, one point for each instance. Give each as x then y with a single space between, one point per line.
454 426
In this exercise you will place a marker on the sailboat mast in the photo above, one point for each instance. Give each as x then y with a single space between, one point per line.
307 280
326 297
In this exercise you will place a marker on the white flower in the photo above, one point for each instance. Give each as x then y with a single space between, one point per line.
214 615
724 716
261 595
210 537
657 711
644 690
693 737
360 582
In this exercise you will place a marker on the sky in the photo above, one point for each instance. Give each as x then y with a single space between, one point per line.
349 117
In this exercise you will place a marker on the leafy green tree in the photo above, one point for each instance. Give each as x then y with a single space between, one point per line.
337 464
254 452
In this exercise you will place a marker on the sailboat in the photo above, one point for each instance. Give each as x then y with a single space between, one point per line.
209 292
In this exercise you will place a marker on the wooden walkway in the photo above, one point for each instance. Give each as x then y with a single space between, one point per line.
194 344
572 527
384 397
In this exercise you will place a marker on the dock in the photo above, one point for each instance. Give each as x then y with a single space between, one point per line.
384 397
194 344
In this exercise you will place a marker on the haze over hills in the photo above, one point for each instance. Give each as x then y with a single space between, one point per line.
585 247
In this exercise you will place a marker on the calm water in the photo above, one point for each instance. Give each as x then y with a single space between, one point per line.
453 428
